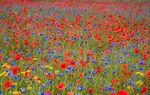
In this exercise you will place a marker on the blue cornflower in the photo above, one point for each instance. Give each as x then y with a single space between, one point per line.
140 62
109 88
102 59
67 70
12 86
140 68
15 77
69 67
93 61
77 94
87 57
39 50
9 74
87 77
49 82
12 62
41 93
60 74
80 87
42 85
58 43
5 57
106 62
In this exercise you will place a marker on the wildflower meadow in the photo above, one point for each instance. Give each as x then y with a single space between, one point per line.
74 47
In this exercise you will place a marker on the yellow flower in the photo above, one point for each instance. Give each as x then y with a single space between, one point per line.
139 83
34 59
3 74
28 71
129 87
21 73
16 93
56 72
39 82
51 68
139 73
46 66
29 88
15 83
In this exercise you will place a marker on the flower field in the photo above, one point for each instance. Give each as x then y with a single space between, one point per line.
74 47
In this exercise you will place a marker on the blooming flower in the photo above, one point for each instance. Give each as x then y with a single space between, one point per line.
25 42
15 69
136 50
60 86
16 93
17 56
63 65
147 73
143 89
90 90
122 92
7 84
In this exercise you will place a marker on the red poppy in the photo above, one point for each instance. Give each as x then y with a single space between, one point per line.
89 52
136 50
17 56
7 84
55 60
147 73
82 63
50 75
80 74
98 69
114 81
15 69
27 58
11 52
72 63
145 56
1 56
27 74
90 90
63 65
124 66
143 89
61 85
112 93
32 45
122 92
25 42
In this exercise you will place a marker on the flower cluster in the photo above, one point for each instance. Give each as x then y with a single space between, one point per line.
71 47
